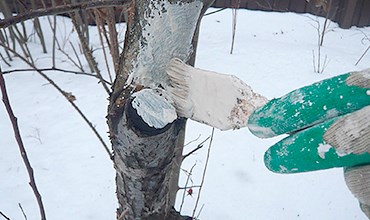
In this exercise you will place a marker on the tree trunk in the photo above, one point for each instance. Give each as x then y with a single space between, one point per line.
146 136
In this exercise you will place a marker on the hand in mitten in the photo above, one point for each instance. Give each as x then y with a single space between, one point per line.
329 126
351 134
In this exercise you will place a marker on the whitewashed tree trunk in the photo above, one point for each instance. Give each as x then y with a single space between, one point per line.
148 147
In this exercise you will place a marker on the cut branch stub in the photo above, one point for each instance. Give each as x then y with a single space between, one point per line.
151 111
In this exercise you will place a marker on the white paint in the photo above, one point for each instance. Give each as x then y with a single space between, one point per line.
324 107
219 100
261 131
283 169
167 33
342 153
283 151
154 107
323 149
296 97
331 113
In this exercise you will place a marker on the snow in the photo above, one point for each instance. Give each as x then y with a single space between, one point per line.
272 53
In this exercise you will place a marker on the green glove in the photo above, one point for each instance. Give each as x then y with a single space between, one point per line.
329 126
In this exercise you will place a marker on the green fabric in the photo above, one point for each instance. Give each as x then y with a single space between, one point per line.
308 106
307 151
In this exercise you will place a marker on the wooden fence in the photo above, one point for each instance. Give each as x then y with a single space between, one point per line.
346 13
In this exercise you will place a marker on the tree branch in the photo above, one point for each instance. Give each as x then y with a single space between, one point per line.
204 172
4 23
197 148
186 184
6 217
17 134
23 213
65 94
56 69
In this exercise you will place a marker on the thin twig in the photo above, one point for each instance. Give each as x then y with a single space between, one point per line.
192 141
325 22
65 94
318 58
88 52
22 150
236 5
4 39
76 55
197 148
100 27
6 217
37 28
54 29
24 214
114 49
313 60
189 187
363 54
3 58
22 43
83 35
235 14
62 9
204 172
200 211
214 12
124 212
326 63
186 183
61 49
55 69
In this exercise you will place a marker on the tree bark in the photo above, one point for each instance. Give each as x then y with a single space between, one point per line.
147 155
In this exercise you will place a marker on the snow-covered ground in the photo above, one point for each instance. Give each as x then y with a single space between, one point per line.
273 54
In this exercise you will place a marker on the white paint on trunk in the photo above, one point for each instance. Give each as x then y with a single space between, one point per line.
166 33
219 100
154 107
